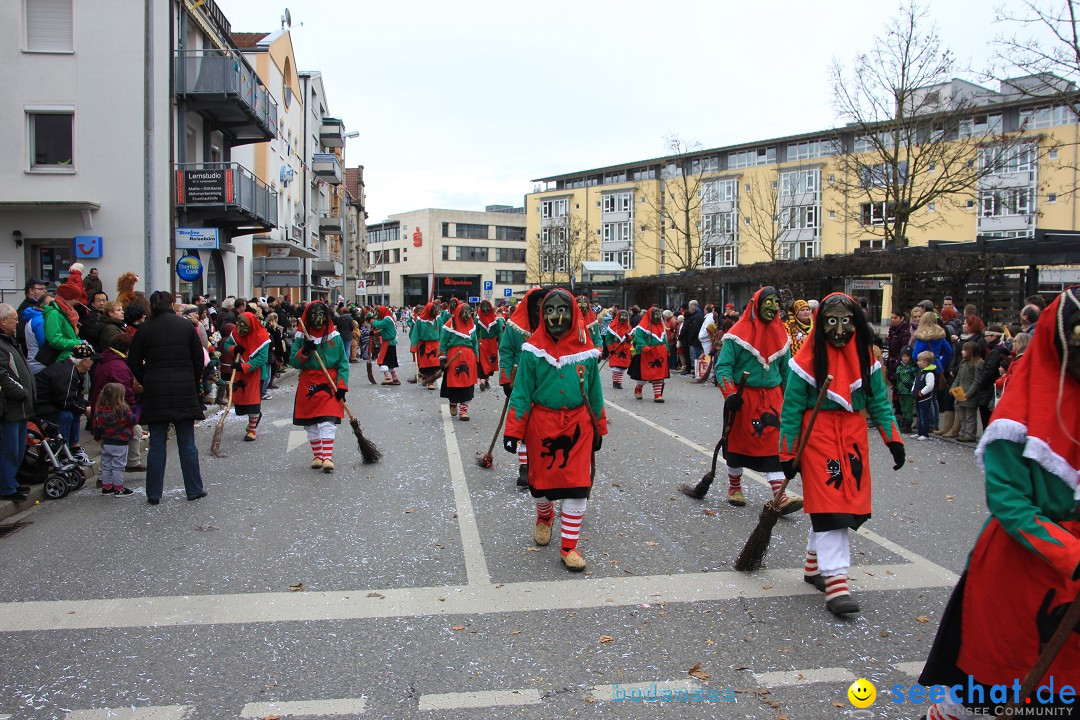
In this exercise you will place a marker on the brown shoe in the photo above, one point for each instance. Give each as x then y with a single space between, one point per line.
316 463
328 466
542 533
573 560
135 468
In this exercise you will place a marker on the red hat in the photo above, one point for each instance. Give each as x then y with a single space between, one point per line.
72 289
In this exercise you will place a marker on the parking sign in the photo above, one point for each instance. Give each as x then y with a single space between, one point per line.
489 285
507 292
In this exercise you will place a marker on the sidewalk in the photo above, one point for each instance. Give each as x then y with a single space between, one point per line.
93 449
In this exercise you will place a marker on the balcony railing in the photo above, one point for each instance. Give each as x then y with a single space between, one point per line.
332 132
326 166
330 224
228 192
221 86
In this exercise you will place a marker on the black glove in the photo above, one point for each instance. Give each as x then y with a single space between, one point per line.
733 403
510 444
309 347
340 394
442 361
898 454
788 466
508 389
598 442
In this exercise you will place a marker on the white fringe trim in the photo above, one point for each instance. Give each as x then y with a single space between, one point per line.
472 331
765 362
650 332
565 359
511 324
1034 449
488 326
319 340
614 334
253 352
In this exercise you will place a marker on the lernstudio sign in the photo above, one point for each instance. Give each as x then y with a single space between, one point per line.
205 187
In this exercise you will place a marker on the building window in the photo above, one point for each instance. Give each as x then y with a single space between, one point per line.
714 224
615 177
471 231
810 149
464 253
1051 198
931 207
796 250
881 175
749 158
701 166
506 232
872 244
49 26
1045 117
618 232
1016 158
989 124
625 258
877 213
800 217
446 230
51 140
384 234
720 256
618 202
554 208
553 250
999 203
513 255
648 173
510 277
798 182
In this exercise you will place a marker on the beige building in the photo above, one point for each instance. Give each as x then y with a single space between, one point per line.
415 255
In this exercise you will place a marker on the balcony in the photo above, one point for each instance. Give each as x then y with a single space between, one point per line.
328 263
327 167
228 194
332 133
330 224
223 88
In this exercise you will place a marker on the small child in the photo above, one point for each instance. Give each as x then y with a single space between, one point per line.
114 425
906 374
925 397
967 377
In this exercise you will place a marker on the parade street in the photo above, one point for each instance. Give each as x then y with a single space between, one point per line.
412 588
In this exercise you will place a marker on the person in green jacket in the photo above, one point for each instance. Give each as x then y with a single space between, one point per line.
592 325
424 344
458 350
386 329
557 406
1024 571
489 328
250 367
59 320
319 405
521 324
649 359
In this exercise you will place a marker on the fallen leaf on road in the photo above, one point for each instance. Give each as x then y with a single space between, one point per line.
272 717
949 498
375 594
651 543
884 633
410 510
515 632
697 672
606 638
458 627
532 549
590 699
837 704
296 588
922 619
766 587
710 512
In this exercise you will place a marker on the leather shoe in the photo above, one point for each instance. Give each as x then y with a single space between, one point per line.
153 501
23 488
818 581
15 497
842 605
196 497
135 468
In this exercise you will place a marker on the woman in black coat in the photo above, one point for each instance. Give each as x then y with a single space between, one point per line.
166 357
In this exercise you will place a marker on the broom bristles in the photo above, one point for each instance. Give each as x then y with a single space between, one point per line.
368 451
753 553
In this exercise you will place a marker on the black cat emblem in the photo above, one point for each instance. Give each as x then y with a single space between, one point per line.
560 443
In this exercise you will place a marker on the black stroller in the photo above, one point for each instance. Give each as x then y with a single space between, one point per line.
48 460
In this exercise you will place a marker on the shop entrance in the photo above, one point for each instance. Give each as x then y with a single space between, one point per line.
49 260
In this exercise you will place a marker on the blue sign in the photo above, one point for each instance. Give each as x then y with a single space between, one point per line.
189 268
196 239
489 285
507 292
87 247
474 300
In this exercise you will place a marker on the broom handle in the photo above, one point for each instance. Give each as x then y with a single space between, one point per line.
228 406
506 406
325 371
742 384
805 436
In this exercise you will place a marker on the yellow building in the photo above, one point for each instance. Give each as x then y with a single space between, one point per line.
813 194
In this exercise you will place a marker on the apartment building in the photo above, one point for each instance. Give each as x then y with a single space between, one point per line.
780 198
416 255
355 231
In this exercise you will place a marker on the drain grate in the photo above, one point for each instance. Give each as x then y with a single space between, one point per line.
9 528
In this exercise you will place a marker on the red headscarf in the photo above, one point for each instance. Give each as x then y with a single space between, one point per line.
573 347
520 317
486 318
326 330
382 312
429 312
251 343
766 341
656 329
619 329
843 362
458 324
1041 407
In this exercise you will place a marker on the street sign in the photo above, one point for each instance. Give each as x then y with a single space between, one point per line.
487 293
196 238
507 292
868 284
489 285
474 299
189 268
361 287
335 282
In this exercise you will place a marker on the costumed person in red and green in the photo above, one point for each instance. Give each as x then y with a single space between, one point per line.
617 338
320 405
1024 571
424 343
835 466
757 344
458 348
649 361
592 325
521 324
548 412
250 364
488 332
385 327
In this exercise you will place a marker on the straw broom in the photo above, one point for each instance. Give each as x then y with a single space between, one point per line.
368 451
215 444
487 461
754 551
370 350
698 491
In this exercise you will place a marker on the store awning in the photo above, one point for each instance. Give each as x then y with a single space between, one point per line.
81 206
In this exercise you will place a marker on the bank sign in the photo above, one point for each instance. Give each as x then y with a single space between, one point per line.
197 238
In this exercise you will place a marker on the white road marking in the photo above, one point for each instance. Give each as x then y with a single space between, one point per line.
914 669
476 569
296 439
607 692
151 712
479 699
951 578
787 678
443 600
281 422
305 708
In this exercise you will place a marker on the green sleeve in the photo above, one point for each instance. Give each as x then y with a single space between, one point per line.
55 335
341 364
1016 490
296 356
725 368
521 399
797 398
260 358
444 336
595 394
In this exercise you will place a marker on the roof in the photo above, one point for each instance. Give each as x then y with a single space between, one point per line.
353 180
596 267
248 40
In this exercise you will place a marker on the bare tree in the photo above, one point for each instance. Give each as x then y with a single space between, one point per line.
1049 45
914 140
670 220
760 203
566 242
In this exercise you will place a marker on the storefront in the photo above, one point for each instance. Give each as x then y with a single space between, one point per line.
462 287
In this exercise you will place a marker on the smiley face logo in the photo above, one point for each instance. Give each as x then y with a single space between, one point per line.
862 693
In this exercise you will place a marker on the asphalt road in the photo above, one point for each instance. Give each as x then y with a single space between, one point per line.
424 597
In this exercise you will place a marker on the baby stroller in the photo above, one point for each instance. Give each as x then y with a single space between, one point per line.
48 460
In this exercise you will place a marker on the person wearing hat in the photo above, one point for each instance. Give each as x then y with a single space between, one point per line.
799 324
997 359
60 396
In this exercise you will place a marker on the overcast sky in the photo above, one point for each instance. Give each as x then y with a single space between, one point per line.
461 104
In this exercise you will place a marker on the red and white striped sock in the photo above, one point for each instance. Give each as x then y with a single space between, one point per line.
775 485
253 422
463 409
617 375
573 510
523 457
316 448
810 566
327 448
545 511
657 388
835 586
734 483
